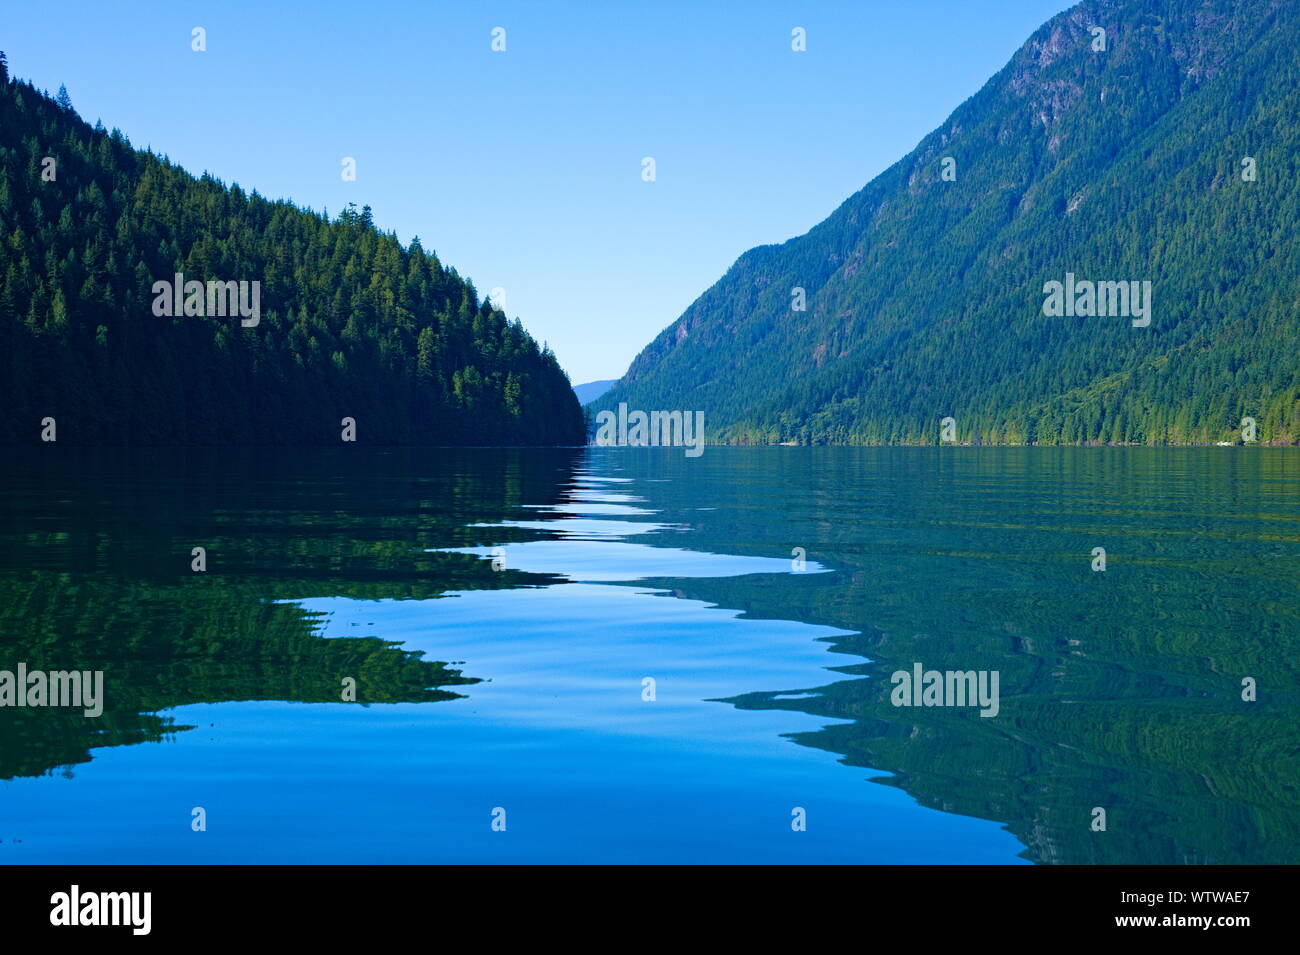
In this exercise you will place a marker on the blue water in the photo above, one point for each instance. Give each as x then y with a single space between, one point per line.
597 584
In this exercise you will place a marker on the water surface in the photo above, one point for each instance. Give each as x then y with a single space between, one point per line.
502 611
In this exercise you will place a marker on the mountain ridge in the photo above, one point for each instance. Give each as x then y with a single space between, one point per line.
589 391
348 336
1061 139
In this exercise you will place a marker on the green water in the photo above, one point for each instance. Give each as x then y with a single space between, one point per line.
521 685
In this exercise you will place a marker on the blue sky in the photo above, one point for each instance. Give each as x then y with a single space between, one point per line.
522 169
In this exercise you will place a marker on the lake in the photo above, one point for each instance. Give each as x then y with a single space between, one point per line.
629 655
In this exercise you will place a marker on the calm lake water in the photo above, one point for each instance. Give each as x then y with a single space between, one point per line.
501 611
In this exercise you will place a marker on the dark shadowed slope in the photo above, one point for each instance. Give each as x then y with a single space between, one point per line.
349 324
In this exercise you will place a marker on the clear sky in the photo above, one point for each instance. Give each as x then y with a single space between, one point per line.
523 169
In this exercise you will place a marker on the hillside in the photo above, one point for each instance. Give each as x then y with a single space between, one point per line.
925 294
591 390
343 321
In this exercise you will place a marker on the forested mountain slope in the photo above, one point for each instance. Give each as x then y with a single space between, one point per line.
350 323
1170 156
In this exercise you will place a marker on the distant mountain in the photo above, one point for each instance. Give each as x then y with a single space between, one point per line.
593 390
117 322
1165 149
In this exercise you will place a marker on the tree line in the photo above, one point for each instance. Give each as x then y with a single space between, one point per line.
352 323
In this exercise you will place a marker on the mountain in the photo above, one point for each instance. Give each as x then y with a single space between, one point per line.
1164 151
592 390
101 246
